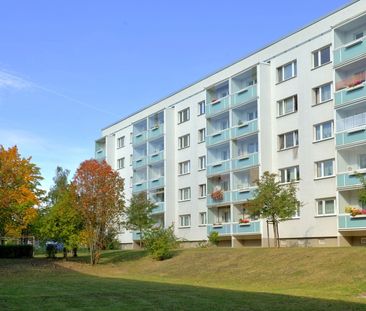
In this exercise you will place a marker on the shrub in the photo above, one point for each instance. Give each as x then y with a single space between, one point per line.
51 250
214 238
160 242
16 251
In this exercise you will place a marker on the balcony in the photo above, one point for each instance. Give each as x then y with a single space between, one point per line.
218 168
244 129
156 182
244 96
225 200
254 227
100 155
156 131
217 106
160 208
351 94
136 235
140 186
352 136
350 52
140 138
246 161
349 223
349 180
218 137
156 157
221 229
141 162
243 195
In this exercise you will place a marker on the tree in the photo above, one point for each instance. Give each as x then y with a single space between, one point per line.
362 191
19 191
274 201
100 200
61 221
138 213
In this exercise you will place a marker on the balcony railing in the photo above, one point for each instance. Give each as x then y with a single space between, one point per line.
221 229
347 222
218 167
160 208
254 227
156 157
218 137
139 186
139 138
244 129
350 51
156 131
217 106
100 154
140 162
246 95
346 180
351 122
226 199
350 95
243 195
136 235
246 161
156 182
357 135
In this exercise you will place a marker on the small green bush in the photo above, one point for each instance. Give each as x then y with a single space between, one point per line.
51 250
16 251
160 242
214 238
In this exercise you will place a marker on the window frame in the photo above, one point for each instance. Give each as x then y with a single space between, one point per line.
204 218
200 167
200 192
185 221
321 125
181 194
119 140
281 71
121 163
183 115
317 93
317 54
201 139
201 111
323 200
295 138
184 168
322 169
181 139
282 102
286 169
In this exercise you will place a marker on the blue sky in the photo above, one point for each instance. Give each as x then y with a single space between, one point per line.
69 68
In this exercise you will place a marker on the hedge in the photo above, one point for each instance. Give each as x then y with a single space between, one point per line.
16 251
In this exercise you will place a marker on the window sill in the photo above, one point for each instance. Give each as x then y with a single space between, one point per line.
202 225
289 148
201 142
286 80
321 140
202 197
184 174
322 65
201 169
184 200
287 114
325 216
183 148
321 103
290 182
184 227
324 177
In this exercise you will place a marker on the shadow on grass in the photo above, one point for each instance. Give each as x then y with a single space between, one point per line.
58 288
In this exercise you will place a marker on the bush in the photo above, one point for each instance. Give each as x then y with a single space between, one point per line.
16 251
160 242
214 238
51 250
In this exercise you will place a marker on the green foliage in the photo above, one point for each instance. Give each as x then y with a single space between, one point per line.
16 251
214 238
362 192
51 250
160 242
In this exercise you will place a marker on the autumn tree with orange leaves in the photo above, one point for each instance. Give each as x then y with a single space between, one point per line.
19 192
100 200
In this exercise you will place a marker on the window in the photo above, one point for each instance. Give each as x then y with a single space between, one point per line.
323 130
325 206
362 160
323 93
201 135
358 35
120 163
183 115
120 142
286 72
321 56
288 140
202 163
183 141
203 218
290 174
287 105
202 191
184 167
185 194
201 108
185 220
324 168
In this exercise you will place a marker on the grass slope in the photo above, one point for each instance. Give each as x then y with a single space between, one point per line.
195 279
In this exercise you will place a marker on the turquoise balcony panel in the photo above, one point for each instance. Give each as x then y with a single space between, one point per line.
247 128
160 208
217 106
351 137
225 200
254 227
244 96
348 222
139 162
245 161
224 229
156 183
242 195
349 95
218 168
100 154
136 235
139 187
348 180
156 131
139 138
156 157
353 50
218 137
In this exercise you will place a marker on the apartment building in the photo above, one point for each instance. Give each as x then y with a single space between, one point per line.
296 108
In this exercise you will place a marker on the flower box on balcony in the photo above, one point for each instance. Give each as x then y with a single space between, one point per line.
244 222
217 195
217 225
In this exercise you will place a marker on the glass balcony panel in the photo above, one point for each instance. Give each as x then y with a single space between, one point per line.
244 96
245 161
224 229
252 227
244 129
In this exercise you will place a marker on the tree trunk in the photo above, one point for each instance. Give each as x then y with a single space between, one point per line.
65 252
75 252
140 237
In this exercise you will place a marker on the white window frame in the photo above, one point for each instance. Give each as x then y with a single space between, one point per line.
201 135
323 212
184 194
321 125
184 221
184 141
317 54
201 107
281 104
318 93
202 191
202 218
120 163
283 172
120 142
362 160
183 115
321 165
295 139
184 167
281 71
202 163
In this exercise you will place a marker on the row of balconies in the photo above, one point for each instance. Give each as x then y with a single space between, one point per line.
151 184
143 136
148 160
350 51
227 197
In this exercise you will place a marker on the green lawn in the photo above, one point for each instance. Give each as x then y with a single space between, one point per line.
195 279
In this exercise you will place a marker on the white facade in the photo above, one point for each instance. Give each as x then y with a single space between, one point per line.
296 108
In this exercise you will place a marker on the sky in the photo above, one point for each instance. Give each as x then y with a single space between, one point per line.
70 68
